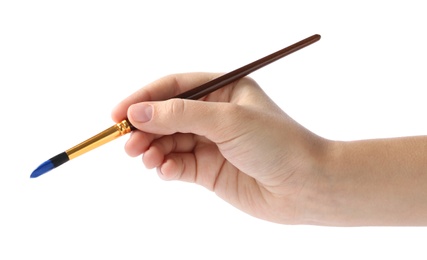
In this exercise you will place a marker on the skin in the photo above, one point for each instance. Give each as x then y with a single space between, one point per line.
239 144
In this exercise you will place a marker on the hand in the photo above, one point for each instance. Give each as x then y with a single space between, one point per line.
239 144
235 142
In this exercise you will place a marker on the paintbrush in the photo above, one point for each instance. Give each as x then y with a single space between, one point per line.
125 126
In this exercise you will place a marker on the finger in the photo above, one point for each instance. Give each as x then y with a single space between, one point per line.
138 143
159 148
161 89
214 120
192 168
178 167
177 143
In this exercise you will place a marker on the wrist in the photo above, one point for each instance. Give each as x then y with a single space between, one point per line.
324 199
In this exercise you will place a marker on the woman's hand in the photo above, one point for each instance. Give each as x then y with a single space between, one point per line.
236 142
239 144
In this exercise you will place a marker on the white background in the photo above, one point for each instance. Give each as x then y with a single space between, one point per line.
64 65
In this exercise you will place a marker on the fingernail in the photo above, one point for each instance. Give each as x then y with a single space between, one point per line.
141 112
159 171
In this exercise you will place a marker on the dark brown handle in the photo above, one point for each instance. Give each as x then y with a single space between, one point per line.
228 78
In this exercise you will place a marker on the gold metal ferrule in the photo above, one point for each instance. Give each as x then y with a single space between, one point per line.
104 137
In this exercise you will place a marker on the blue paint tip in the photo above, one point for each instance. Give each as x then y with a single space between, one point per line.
42 169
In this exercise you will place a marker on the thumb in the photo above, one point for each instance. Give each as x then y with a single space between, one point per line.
213 120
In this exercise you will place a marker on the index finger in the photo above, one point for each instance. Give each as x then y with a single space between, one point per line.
161 89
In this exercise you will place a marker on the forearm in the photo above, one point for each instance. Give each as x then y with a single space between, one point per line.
374 182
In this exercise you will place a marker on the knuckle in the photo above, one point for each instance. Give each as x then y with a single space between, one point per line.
176 107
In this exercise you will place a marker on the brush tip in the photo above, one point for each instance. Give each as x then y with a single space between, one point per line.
42 169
